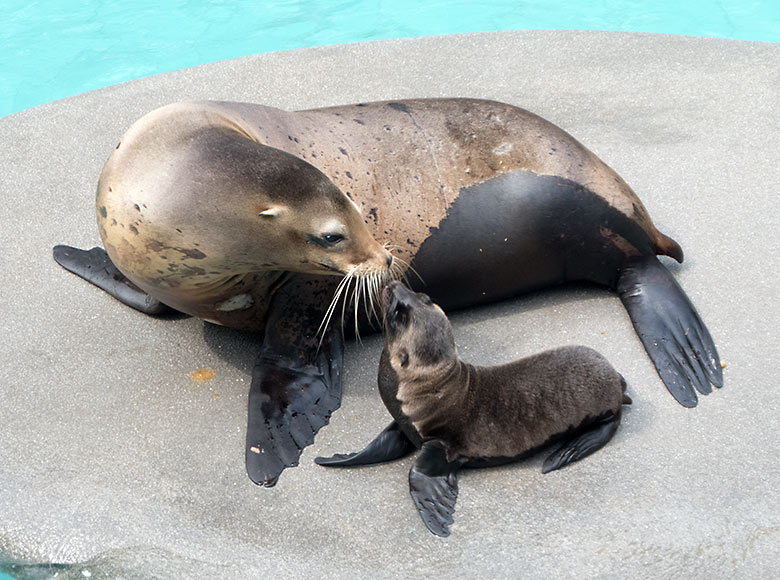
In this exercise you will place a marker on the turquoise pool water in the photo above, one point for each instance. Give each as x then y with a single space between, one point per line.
57 48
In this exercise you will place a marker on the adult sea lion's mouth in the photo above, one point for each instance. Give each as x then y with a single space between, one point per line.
330 268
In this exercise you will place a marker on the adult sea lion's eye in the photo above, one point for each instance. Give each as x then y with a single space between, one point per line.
332 239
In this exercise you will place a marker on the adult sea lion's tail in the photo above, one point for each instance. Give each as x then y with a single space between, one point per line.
674 335
666 246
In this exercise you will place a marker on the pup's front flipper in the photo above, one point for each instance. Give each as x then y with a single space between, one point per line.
96 267
388 445
583 443
433 484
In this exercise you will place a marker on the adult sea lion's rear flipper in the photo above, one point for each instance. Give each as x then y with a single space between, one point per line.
433 484
585 442
671 330
390 444
296 382
96 267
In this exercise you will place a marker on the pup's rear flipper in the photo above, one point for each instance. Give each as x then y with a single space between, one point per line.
96 267
671 330
593 438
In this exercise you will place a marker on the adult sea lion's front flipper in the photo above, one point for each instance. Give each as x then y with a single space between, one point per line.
96 267
433 485
296 380
390 444
671 330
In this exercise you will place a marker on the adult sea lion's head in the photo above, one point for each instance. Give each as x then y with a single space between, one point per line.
295 218
222 204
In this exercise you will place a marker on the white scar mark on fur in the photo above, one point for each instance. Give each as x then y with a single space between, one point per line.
407 403
239 302
429 147
503 149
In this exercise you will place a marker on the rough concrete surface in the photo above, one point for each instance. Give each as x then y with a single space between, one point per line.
115 460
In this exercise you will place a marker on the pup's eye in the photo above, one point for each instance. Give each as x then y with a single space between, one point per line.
425 299
331 239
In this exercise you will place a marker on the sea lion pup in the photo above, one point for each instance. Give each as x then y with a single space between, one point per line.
461 415
256 218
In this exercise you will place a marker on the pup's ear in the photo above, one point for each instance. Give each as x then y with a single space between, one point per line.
403 356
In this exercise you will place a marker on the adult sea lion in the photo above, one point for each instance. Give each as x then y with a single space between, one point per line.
462 415
249 216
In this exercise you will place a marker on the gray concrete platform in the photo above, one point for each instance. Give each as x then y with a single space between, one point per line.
113 458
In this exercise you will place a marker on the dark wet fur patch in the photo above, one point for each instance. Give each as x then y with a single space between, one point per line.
522 231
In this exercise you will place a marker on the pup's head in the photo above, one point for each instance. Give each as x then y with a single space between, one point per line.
418 336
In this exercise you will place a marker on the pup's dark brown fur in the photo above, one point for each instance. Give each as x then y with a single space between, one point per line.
465 415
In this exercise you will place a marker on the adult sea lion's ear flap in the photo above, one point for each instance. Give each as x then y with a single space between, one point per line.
271 211
433 485
390 444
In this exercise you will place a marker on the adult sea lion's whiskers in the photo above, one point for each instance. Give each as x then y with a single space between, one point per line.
366 290
332 306
359 287
366 287
398 262
373 284
346 299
